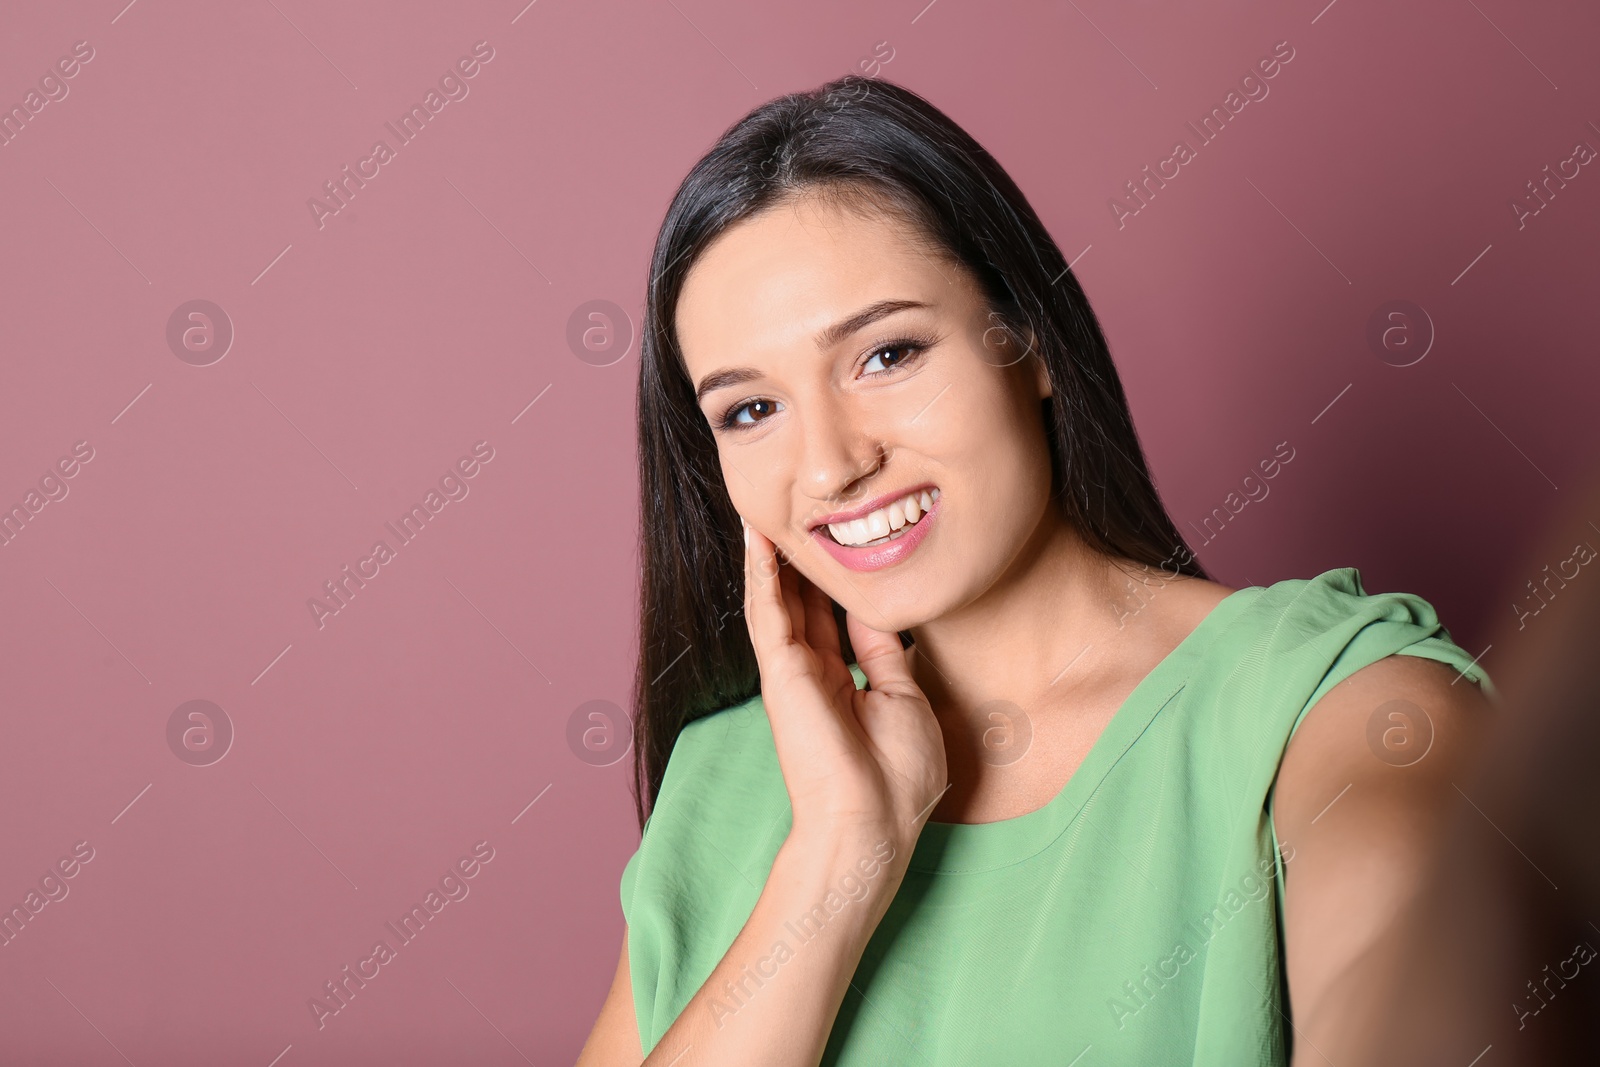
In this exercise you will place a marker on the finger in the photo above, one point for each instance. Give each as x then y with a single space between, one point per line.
822 634
822 629
764 612
789 591
881 658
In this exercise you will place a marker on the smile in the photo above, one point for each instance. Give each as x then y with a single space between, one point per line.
883 536
885 524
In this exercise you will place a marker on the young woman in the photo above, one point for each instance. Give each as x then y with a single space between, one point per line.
953 752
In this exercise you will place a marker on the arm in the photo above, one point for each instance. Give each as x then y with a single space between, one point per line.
615 1038
859 766
773 998
1360 854
785 1013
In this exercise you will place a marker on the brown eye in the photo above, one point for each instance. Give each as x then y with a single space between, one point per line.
732 419
902 351
888 357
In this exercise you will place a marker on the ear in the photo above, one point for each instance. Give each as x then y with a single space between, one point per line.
1041 371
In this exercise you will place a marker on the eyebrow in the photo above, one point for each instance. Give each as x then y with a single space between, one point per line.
825 339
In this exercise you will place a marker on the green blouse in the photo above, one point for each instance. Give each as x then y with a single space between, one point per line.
1134 919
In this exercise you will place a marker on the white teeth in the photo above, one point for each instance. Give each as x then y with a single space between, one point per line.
887 522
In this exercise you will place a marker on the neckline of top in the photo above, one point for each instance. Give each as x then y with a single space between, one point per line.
972 847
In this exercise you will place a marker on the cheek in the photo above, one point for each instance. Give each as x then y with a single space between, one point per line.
977 427
755 479
998 460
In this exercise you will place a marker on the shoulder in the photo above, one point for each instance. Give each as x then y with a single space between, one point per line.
1398 729
1324 651
717 741
727 753
719 817
1360 801
1394 713
1193 599
721 730
723 773
1328 627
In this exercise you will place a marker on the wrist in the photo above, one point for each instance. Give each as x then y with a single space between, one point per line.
852 838
846 866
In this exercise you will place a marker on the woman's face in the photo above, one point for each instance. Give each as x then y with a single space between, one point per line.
844 368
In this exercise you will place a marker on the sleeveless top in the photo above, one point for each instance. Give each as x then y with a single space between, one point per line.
1136 918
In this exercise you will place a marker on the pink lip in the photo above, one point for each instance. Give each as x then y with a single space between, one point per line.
868 507
887 554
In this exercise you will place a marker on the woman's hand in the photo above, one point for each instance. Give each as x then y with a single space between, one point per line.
853 760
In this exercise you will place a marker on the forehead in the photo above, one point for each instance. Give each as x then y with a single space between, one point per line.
772 281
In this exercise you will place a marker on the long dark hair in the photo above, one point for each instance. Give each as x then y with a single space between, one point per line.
853 137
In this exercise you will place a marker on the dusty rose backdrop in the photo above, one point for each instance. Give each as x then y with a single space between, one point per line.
240 346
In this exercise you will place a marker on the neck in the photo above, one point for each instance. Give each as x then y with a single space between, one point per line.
1030 629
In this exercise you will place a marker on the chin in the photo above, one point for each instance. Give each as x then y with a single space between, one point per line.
895 618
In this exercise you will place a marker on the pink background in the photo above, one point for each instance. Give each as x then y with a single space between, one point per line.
371 353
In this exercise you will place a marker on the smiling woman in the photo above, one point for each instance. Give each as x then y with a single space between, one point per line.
874 398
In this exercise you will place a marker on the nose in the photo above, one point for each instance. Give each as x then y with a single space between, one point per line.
837 452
